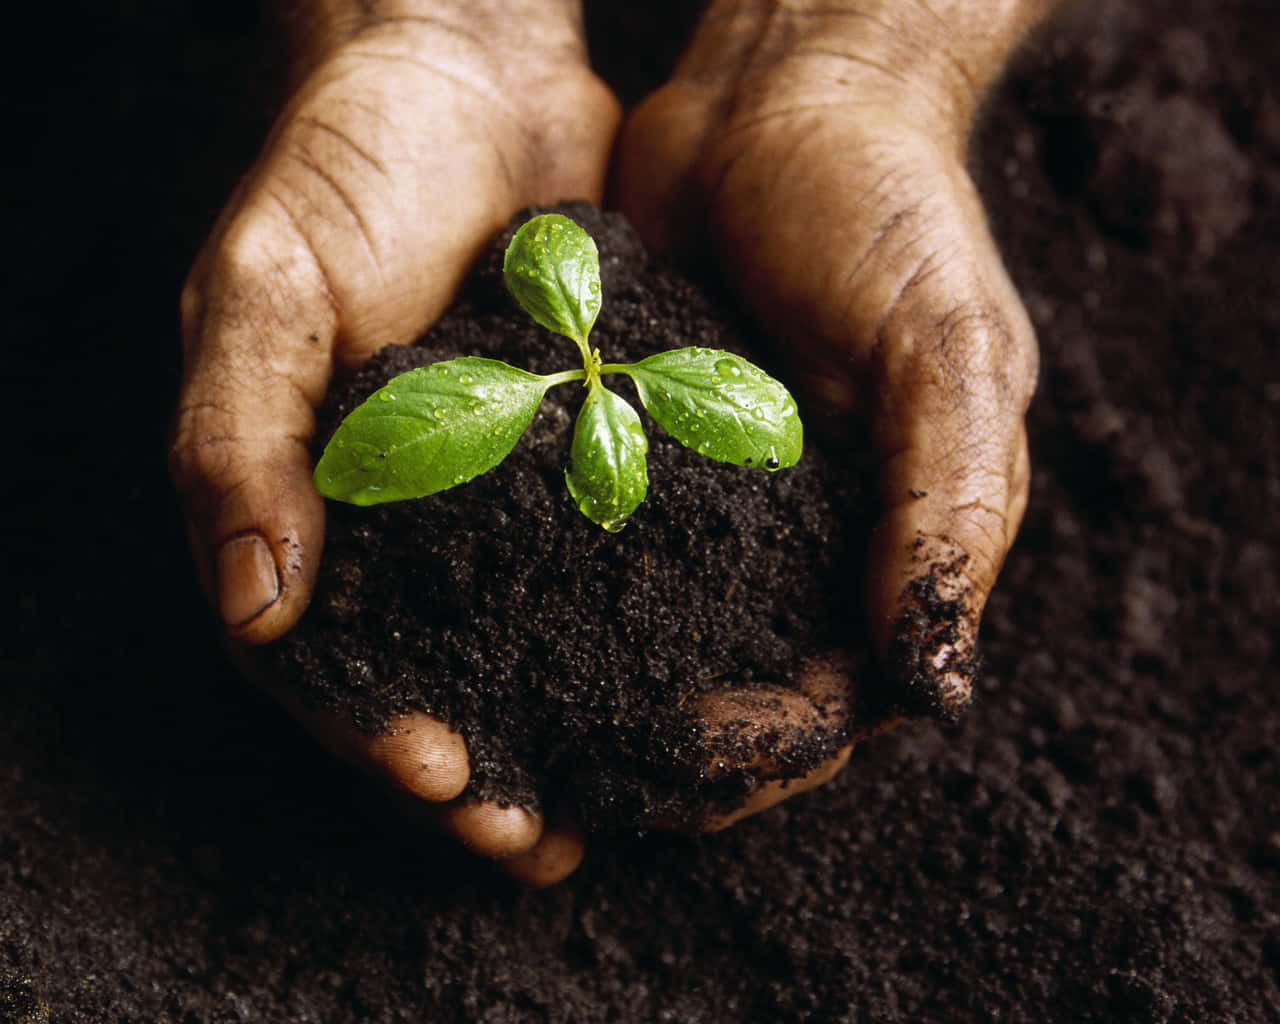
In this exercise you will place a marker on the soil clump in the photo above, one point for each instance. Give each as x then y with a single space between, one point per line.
572 660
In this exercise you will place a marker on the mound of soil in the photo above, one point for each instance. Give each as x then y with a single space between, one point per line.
571 659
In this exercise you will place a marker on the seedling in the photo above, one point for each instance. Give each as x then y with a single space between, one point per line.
444 424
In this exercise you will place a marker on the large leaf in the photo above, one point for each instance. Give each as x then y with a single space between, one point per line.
608 476
427 430
553 269
721 405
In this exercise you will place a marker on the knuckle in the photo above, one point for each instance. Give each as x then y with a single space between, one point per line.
250 266
202 446
980 355
970 367
191 305
265 275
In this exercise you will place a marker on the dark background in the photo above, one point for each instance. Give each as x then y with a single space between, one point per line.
1099 840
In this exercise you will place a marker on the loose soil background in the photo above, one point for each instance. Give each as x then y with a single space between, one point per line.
1098 840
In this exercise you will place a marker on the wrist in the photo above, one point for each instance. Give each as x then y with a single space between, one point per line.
929 61
315 29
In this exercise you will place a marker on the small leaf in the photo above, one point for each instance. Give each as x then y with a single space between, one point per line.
722 406
427 430
608 477
553 269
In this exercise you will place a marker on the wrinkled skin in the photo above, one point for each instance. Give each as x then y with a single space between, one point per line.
817 153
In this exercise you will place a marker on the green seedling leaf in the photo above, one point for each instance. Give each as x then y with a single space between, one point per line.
721 406
553 269
608 477
429 429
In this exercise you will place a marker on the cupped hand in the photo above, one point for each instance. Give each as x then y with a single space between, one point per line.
412 139
818 150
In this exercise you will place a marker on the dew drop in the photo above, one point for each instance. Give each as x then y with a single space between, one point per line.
772 462
728 368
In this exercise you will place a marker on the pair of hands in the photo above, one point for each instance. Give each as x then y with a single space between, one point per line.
816 150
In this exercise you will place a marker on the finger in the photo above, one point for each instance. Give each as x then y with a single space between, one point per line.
772 732
786 742
953 371
553 858
771 793
1021 484
653 181
258 327
416 754
491 830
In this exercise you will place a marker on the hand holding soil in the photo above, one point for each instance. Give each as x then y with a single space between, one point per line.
821 157
410 141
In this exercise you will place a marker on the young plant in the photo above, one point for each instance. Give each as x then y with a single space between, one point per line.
444 424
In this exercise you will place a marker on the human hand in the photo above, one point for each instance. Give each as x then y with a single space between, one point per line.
819 150
414 136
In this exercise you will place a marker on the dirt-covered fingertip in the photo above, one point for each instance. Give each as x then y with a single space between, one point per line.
933 659
421 756
554 858
767 794
777 732
491 830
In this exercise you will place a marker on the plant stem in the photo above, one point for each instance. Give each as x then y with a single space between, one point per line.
564 377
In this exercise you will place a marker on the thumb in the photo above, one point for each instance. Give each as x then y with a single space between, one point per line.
258 333
952 371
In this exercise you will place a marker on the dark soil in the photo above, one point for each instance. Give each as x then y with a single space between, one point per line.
571 659
1098 840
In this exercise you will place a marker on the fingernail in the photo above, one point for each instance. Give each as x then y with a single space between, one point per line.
248 581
